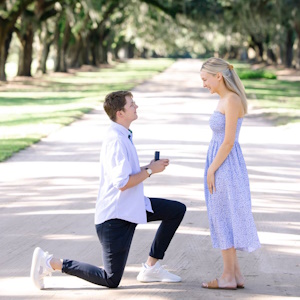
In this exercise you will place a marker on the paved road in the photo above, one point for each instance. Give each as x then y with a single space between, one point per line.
48 193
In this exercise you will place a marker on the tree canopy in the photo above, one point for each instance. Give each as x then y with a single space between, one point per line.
91 32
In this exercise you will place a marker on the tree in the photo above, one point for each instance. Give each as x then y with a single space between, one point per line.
44 11
46 37
25 31
289 17
9 13
61 39
109 17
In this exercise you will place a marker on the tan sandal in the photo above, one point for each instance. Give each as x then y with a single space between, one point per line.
214 284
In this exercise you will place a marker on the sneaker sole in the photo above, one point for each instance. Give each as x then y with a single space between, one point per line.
34 273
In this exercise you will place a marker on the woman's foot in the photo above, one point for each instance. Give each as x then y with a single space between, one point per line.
240 281
220 284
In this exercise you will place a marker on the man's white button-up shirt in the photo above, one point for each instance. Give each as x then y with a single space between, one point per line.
119 160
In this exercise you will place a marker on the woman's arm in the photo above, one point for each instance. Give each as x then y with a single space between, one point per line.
232 112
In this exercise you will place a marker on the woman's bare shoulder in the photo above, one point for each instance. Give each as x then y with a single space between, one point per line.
233 102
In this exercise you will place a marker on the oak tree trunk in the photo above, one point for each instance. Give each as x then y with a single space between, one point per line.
25 55
289 47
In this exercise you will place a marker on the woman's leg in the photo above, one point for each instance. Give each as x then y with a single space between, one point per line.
229 261
227 280
240 280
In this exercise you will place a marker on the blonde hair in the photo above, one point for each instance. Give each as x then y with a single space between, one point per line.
231 79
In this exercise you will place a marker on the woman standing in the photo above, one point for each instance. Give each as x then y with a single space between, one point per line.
226 182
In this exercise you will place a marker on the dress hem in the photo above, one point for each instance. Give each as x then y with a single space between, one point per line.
249 249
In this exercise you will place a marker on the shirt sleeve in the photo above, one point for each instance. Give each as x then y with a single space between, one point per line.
118 164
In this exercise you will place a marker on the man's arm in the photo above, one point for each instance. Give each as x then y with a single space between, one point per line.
156 167
135 180
147 166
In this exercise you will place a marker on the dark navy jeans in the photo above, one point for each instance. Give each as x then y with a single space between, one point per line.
116 236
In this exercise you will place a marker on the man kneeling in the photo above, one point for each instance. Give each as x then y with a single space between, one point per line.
120 206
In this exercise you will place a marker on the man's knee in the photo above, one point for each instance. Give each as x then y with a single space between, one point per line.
113 282
181 209
176 210
113 285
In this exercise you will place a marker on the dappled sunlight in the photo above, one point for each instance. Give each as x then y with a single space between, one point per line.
183 170
290 225
177 192
133 269
48 195
149 226
275 204
25 286
268 296
282 226
271 210
196 209
280 239
272 188
271 177
192 230
41 198
285 249
179 134
68 287
8 287
274 173
32 204
44 169
266 135
64 237
58 212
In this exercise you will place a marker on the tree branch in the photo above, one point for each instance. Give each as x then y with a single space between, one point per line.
172 11
16 10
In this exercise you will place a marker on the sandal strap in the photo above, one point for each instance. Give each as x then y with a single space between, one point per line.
213 284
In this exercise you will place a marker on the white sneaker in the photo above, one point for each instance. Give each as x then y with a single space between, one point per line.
156 273
40 267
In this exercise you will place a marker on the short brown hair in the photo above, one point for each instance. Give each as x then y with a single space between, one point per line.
114 102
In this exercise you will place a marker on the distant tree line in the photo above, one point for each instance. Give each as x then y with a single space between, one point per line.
84 31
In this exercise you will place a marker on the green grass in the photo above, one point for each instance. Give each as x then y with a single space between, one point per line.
32 108
279 100
255 74
245 72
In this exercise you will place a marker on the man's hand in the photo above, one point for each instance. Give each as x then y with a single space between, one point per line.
156 167
159 165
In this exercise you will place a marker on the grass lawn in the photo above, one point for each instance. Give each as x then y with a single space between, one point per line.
279 100
32 108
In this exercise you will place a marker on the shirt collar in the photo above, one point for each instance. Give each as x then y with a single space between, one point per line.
121 129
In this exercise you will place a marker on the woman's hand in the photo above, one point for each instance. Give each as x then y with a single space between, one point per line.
211 181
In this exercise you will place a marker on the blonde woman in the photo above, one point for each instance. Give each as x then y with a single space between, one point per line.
226 182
